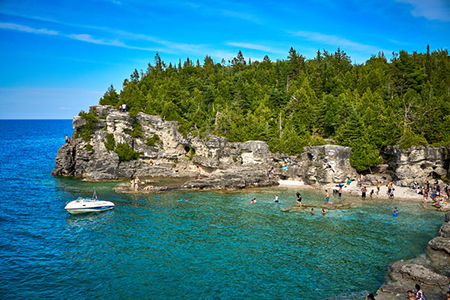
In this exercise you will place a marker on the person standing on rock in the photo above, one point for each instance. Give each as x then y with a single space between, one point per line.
378 188
198 172
340 191
299 198
132 184
327 196
419 293
137 183
363 193
67 138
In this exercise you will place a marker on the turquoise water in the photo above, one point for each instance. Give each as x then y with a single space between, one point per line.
214 246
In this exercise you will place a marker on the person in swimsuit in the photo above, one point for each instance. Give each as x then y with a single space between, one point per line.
253 201
340 191
363 193
312 211
323 211
276 199
327 196
299 198
378 187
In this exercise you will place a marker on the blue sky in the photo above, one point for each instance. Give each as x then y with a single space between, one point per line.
59 57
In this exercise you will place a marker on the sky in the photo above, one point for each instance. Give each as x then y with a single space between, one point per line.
59 57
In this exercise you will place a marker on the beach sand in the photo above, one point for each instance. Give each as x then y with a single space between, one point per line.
401 193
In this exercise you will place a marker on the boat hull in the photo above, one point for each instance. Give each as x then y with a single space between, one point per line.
82 206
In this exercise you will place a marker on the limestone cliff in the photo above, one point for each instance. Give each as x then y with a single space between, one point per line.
176 155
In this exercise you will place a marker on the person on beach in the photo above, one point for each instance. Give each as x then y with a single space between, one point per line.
276 199
299 198
371 194
253 201
327 196
390 186
323 211
378 187
363 193
312 211
419 293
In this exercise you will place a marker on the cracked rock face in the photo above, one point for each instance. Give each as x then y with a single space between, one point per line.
91 159
418 164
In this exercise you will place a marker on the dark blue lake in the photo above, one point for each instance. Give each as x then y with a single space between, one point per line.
214 246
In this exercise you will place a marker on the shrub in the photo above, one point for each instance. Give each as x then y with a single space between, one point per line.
124 151
191 153
137 130
89 147
90 118
110 142
153 140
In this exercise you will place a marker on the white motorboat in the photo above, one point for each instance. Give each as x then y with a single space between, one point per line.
86 205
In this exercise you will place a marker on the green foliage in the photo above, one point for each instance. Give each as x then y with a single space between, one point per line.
137 130
110 142
90 118
410 138
154 140
89 147
299 102
125 152
190 155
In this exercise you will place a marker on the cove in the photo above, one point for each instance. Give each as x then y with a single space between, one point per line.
213 246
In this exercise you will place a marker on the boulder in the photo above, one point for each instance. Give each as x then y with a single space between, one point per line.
440 243
422 274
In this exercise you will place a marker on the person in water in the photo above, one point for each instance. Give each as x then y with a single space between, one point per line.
327 196
312 211
324 211
253 201
299 198
276 199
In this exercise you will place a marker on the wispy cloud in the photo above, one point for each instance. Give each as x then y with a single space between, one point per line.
430 9
258 47
13 26
337 41
162 45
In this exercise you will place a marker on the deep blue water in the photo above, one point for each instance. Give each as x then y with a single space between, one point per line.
214 246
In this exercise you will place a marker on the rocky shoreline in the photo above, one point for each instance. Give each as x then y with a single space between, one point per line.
160 150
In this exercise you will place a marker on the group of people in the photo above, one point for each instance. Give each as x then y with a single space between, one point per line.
135 184
416 294
123 107
434 192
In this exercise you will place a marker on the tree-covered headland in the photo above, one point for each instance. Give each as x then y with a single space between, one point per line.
296 102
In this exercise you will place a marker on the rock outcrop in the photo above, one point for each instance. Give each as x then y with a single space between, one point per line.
417 164
430 271
164 151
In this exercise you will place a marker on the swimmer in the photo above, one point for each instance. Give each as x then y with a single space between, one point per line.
253 201
276 199
324 211
312 211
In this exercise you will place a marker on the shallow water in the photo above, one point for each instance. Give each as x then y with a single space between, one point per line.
215 245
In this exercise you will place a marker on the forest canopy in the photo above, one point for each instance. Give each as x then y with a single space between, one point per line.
297 102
